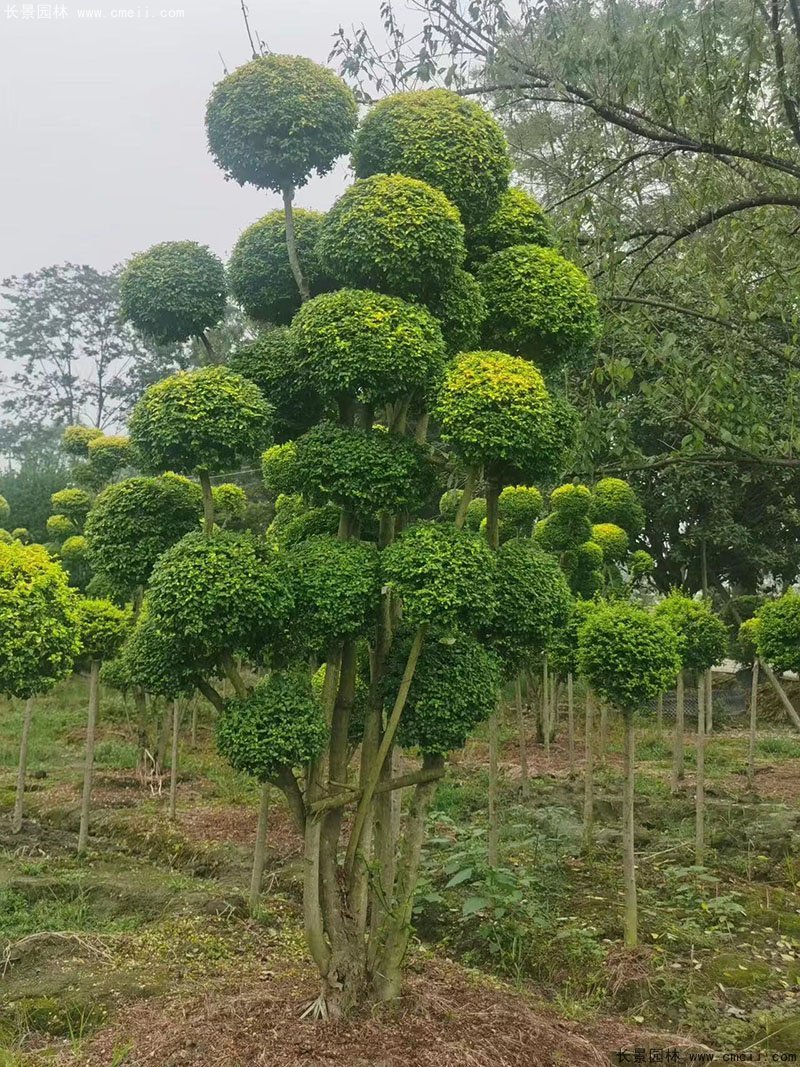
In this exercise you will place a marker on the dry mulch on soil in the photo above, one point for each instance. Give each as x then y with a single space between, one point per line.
447 1018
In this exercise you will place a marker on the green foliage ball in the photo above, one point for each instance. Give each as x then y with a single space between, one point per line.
108 455
75 440
277 119
393 234
701 635
74 503
230 502
476 513
279 468
540 305
448 503
461 311
441 574
641 564
74 550
153 658
367 472
571 500
532 601
518 508
279 726
220 594
778 633
614 500
298 526
335 586
356 343
206 419
134 521
60 527
583 568
517 220
454 689
627 655
5 509
441 138
259 273
747 641
613 540
6 537
22 534
271 362
174 291
562 647
102 627
38 621
496 411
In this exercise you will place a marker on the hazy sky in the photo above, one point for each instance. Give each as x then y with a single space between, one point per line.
102 141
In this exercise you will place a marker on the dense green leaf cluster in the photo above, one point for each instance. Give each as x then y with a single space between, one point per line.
38 621
702 636
612 539
441 138
747 641
293 525
335 585
109 454
615 501
278 726
153 659
230 502
174 291
21 533
102 627
75 440
274 121
583 568
517 220
562 647
627 655
365 471
5 509
222 594
357 343
60 527
279 468
202 419
532 602
393 234
541 306
778 633
495 410
74 503
270 361
518 508
461 311
442 575
453 690
259 272
132 522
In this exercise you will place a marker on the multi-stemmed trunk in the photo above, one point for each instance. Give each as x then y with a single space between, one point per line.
88 771
677 752
27 719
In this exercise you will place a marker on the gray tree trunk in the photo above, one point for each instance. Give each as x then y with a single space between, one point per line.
523 740
677 752
173 768
629 856
751 747
709 699
88 771
588 774
700 775
16 820
260 852
571 724
494 828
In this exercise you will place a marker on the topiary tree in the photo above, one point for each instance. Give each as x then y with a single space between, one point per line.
747 641
260 274
59 527
275 121
778 642
21 534
517 220
628 656
75 440
461 311
441 138
518 508
108 455
230 503
174 291
102 628
39 636
615 501
394 234
200 421
540 306
74 503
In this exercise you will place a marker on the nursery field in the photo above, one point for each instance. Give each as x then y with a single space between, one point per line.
143 950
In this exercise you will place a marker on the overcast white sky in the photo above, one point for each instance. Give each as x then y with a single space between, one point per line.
102 141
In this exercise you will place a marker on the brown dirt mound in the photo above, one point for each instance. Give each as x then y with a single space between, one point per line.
447 1018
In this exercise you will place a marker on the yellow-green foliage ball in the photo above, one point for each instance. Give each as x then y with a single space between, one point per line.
518 508
37 620
74 550
393 234
279 468
75 440
279 726
540 305
614 500
778 632
6 538
74 503
60 527
702 638
441 138
517 220
174 291
276 120
108 455
102 627
496 411
476 513
21 534
571 501
356 343
259 273
5 509
230 502
461 311
612 540
448 503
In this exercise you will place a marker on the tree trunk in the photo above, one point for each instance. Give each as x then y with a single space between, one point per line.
291 246
603 741
709 702
660 713
700 772
629 856
208 502
784 699
142 728
571 725
469 492
494 828
588 773
260 852
545 706
677 752
523 739
751 747
88 771
16 821
194 723
163 740
173 768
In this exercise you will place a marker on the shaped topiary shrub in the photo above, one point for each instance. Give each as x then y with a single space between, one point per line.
517 220
461 311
